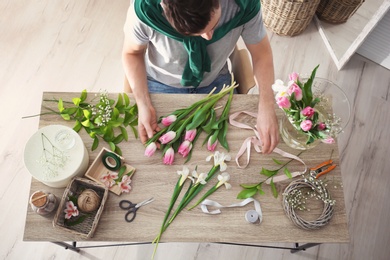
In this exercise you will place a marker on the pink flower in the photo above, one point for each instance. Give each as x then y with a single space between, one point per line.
167 121
190 135
306 125
185 148
321 126
211 146
294 88
293 76
109 178
283 102
150 149
169 156
166 138
328 140
70 210
125 184
308 112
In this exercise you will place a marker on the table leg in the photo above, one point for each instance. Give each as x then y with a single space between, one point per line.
303 247
72 247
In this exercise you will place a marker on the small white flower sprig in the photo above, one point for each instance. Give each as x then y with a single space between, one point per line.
105 120
197 183
183 127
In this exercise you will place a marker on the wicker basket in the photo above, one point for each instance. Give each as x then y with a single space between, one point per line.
87 227
337 11
288 17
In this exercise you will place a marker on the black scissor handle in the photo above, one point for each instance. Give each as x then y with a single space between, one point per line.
126 204
133 212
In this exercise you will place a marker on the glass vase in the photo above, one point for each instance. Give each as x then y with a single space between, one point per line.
333 109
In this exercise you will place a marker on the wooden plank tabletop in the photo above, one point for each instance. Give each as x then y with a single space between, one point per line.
154 179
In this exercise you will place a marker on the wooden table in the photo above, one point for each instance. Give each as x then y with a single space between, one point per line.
153 179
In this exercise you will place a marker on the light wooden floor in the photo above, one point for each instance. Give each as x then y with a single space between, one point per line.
70 45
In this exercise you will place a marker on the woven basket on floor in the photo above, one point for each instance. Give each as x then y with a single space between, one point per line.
288 17
337 11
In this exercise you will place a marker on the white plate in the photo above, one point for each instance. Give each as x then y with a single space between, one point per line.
55 154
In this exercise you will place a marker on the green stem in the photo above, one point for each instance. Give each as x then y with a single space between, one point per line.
208 193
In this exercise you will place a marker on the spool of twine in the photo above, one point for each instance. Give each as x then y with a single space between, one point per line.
88 201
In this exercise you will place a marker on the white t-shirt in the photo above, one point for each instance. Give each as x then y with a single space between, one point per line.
166 58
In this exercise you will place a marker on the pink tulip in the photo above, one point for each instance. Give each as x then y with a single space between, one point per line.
211 147
321 126
167 121
150 149
294 88
328 140
283 102
185 148
293 76
308 112
166 138
169 156
306 125
190 135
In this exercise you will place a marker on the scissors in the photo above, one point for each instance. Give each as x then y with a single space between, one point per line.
322 168
132 208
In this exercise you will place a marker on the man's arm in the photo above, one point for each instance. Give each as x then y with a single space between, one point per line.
263 70
134 66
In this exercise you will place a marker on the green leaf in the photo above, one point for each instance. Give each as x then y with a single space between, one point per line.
92 134
121 172
247 193
276 161
108 134
60 105
249 186
112 146
87 113
222 136
287 172
118 139
115 114
70 110
273 188
118 150
77 126
76 101
86 123
95 143
127 100
65 116
119 102
83 96
124 133
268 173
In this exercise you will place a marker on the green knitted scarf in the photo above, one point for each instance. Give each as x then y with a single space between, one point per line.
150 12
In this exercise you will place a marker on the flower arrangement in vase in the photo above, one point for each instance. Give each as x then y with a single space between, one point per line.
309 105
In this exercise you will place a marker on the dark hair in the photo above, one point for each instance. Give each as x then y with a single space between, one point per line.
189 16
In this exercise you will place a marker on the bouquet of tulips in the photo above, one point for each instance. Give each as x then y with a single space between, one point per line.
183 127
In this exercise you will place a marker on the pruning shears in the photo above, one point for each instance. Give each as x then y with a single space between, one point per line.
322 168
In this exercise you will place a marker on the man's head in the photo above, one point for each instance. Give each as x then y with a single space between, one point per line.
193 17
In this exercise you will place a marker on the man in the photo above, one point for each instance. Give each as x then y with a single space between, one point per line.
182 46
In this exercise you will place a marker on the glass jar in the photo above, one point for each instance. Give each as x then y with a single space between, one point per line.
43 202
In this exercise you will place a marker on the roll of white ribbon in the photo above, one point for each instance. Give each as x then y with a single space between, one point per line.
249 216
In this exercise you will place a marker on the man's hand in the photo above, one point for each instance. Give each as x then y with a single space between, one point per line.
267 126
147 122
